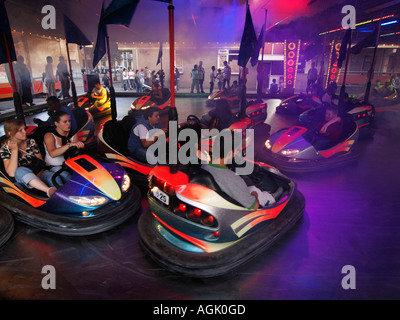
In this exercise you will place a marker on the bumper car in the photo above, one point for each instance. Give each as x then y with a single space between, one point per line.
383 97
363 115
113 145
298 104
292 150
6 226
98 197
193 228
147 100
232 98
86 103
255 114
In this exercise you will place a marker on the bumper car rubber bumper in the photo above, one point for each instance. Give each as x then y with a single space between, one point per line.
103 219
6 225
312 165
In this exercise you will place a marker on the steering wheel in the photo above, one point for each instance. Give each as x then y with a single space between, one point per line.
56 174
74 152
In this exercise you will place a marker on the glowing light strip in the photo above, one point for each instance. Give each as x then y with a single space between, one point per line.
284 66
297 65
389 22
329 65
359 24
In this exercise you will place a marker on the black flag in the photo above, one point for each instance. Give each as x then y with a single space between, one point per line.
100 48
73 34
248 42
159 54
369 41
343 47
119 12
260 44
8 41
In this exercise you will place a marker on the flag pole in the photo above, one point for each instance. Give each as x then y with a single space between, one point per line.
73 88
343 88
16 97
262 51
112 91
172 113
243 100
371 70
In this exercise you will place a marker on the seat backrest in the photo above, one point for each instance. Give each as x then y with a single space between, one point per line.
349 126
204 178
127 124
114 134
81 117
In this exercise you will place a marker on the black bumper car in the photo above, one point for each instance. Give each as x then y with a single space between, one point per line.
148 100
298 103
6 226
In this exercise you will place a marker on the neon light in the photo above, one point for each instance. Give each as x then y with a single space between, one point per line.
361 23
389 22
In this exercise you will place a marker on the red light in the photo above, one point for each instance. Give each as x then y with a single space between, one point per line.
182 207
197 212
168 188
209 220
216 234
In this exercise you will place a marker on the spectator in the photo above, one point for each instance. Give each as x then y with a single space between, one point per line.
195 79
201 73
177 75
25 79
227 75
273 89
220 78
63 76
50 79
212 79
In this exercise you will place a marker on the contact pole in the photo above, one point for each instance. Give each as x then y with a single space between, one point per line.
172 113
73 88
112 91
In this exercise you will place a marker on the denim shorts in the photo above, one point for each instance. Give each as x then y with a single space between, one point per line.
47 176
24 175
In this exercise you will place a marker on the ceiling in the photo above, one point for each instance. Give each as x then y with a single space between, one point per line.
204 20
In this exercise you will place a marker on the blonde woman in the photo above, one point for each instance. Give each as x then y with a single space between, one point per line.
22 159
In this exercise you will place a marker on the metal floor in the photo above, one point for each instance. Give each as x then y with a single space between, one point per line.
352 217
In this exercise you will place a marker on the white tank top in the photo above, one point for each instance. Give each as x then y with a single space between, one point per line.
57 161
